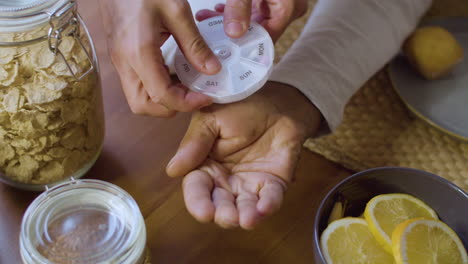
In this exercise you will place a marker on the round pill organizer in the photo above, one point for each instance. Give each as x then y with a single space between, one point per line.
246 63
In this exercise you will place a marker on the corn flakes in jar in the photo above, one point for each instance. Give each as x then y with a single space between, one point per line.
51 110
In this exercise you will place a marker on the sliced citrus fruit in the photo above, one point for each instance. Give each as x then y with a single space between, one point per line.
349 240
337 212
427 241
384 212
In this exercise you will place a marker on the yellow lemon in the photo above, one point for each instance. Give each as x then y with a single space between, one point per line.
337 212
427 241
349 240
384 212
433 51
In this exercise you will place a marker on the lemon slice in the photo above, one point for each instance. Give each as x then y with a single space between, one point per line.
384 212
349 240
427 241
337 212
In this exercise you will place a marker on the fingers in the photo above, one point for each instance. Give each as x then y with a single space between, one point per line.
178 97
253 207
207 201
185 32
276 26
195 146
276 19
226 214
205 14
137 97
280 15
156 86
220 8
218 173
271 197
237 17
149 89
197 187
247 207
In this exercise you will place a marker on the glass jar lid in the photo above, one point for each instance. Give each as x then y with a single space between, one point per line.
18 5
21 15
62 17
83 221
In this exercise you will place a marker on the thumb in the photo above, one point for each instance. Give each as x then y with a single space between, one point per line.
185 32
195 146
237 17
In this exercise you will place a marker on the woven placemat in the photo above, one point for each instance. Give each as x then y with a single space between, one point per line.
378 130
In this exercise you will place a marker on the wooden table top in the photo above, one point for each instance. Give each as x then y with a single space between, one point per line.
136 151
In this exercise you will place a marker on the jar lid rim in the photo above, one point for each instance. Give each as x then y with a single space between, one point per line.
54 203
26 16
90 183
32 6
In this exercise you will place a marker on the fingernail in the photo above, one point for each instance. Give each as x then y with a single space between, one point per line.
208 103
171 163
234 29
212 64
220 8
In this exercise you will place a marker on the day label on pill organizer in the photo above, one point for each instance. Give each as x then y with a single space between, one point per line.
246 62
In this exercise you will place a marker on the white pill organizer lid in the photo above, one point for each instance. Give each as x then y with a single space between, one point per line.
246 63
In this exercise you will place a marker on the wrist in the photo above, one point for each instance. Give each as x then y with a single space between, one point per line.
290 102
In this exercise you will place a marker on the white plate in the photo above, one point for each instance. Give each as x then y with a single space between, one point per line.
442 103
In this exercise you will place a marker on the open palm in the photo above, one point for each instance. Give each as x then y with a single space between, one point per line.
237 159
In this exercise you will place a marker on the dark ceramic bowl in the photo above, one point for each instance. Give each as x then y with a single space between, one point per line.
449 201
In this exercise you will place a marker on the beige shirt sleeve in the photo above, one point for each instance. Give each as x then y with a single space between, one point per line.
342 45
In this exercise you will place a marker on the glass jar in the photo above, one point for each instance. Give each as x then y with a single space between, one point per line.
83 222
51 110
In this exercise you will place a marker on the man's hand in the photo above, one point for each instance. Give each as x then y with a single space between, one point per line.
136 30
237 159
274 15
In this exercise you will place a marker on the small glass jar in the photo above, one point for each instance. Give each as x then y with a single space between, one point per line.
83 222
51 110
